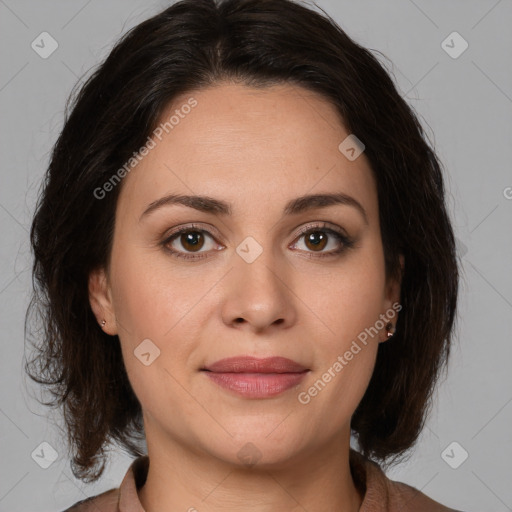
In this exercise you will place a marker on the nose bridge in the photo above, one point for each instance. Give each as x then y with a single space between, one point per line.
258 265
257 291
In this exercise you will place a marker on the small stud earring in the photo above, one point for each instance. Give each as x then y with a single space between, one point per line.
390 330
103 322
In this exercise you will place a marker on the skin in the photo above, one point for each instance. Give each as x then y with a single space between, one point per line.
255 149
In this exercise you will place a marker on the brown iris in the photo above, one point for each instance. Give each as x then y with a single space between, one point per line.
192 240
318 239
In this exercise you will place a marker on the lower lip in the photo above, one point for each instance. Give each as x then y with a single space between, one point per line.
257 385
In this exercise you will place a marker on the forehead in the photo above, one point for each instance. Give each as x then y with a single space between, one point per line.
248 146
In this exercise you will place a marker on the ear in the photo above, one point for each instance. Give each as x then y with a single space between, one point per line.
100 298
392 296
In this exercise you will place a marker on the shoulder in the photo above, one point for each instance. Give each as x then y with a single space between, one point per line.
107 501
405 497
123 497
380 493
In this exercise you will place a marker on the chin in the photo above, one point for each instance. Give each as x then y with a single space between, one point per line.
257 449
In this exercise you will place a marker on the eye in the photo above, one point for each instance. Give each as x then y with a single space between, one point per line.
318 238
190 239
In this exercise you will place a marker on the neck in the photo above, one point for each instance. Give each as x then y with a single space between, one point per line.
182 478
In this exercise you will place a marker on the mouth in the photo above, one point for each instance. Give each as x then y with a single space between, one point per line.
252 377
248 364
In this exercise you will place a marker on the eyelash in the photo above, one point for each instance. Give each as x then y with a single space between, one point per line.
347 242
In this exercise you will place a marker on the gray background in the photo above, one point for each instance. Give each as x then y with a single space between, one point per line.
465 104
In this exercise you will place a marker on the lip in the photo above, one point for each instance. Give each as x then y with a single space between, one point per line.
249 364
252 377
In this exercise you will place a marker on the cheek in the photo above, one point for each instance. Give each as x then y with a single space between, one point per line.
153 334
150 299
151 311
348 303
350 298
345 356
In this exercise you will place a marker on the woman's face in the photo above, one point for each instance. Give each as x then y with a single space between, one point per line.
261 273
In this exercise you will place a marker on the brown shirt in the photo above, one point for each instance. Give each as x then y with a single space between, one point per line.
380 494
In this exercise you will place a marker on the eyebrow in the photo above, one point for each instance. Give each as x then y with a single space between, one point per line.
295 206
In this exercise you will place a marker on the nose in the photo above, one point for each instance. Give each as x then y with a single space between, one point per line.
259 296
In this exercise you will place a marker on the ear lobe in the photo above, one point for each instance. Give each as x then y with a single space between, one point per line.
100 299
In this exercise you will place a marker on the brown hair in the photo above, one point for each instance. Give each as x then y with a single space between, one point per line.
191 45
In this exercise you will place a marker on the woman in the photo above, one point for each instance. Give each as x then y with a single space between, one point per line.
243 257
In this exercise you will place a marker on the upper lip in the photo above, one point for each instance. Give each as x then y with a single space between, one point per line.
249 364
